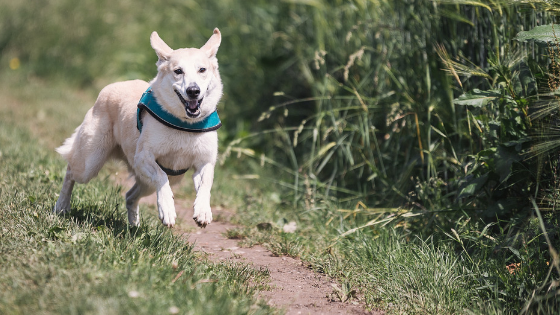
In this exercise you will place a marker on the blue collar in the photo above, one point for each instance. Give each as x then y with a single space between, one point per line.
149 103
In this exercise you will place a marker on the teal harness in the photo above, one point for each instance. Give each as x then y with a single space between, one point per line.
149 103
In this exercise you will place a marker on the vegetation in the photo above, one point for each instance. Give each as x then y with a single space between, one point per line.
90 261
414 142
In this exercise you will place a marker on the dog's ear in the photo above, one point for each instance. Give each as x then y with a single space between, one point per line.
212 45
162 50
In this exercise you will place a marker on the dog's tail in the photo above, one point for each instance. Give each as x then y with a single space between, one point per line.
66 148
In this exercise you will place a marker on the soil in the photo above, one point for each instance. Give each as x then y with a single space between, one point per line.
293 287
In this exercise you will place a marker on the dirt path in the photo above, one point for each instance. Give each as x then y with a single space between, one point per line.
294 288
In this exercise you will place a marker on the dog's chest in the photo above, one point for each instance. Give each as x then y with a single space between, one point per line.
180 150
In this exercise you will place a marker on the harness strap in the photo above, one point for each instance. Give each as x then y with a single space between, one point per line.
171 172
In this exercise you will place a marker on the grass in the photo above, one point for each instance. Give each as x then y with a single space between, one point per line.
467 269
89 261
92 257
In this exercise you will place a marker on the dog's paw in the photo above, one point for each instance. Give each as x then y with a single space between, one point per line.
166 208
134 216
202 215
61 207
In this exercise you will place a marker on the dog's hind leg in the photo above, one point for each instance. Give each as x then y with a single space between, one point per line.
85 151
63 202
133 196
90 145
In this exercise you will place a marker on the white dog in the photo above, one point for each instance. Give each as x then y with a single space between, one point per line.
159 129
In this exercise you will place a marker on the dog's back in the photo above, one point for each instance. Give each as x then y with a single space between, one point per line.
96 139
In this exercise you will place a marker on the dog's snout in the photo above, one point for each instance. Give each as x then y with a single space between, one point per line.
193 91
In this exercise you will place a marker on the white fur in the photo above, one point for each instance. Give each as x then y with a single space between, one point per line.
109 131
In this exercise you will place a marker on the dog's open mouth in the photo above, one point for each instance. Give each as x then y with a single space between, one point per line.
192 107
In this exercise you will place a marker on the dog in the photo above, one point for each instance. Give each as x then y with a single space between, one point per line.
159 129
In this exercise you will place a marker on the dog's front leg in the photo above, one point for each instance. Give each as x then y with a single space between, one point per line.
203 179
151 174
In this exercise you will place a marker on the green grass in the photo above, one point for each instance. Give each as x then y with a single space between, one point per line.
92 258
391 268
89 261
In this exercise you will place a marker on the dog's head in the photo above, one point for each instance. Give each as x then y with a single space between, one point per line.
188 83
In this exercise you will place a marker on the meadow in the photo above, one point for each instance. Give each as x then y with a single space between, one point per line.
413 142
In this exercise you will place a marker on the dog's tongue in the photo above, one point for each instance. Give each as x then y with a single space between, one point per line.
193 104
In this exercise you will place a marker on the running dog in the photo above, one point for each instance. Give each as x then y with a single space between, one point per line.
159 129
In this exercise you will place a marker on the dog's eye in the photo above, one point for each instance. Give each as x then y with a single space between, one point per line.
178 71
202 70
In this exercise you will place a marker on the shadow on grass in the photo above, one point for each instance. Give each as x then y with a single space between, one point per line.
106 215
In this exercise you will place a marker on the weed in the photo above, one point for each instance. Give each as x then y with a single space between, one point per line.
286 245
235 233
343 294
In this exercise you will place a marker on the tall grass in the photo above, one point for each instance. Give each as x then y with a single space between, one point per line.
387 134
380 127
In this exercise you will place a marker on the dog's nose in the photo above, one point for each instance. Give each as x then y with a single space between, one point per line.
193 91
